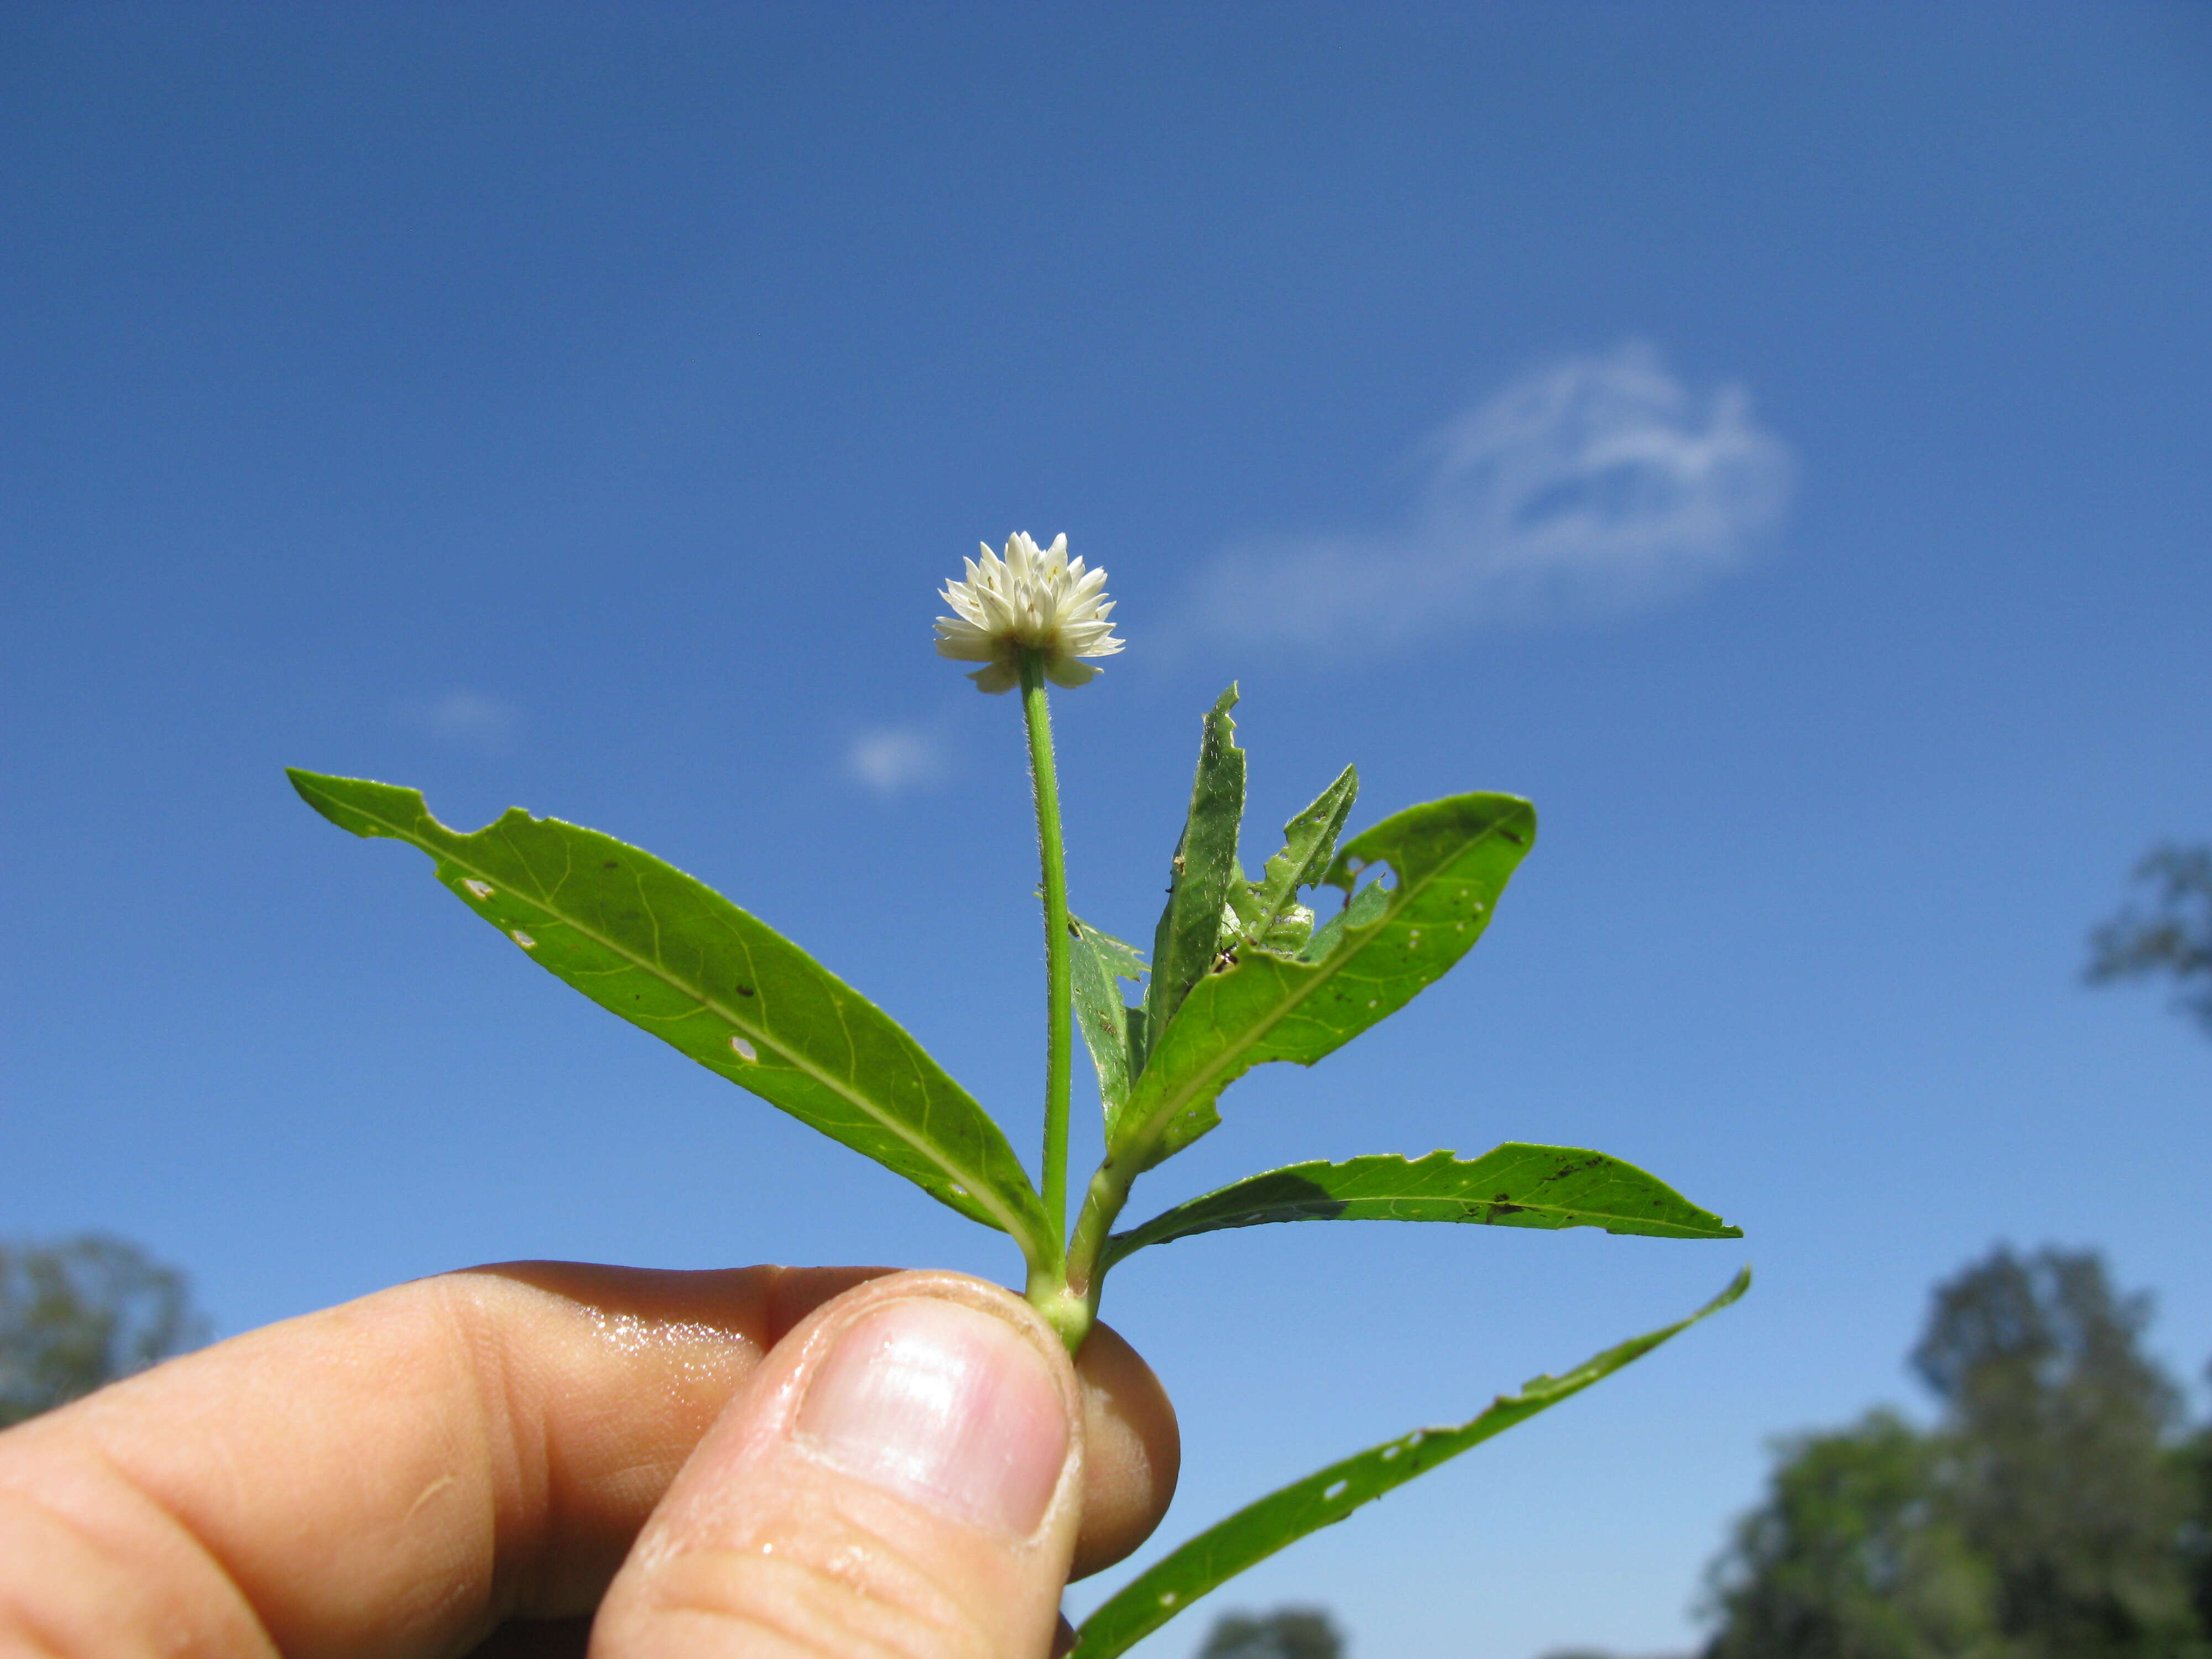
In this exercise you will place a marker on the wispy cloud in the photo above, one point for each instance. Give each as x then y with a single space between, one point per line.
891 760
1592 486
466 718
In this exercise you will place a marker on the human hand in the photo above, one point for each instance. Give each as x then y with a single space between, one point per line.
766 1461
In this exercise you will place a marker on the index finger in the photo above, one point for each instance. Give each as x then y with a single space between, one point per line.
390 1477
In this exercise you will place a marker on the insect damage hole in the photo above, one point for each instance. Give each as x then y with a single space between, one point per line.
745 1049
1337 1490
481 890
522 938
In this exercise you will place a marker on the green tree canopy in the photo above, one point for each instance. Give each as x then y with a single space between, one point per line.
1853 1556
2194 1463
80 1312
1286 1633
2059 1467
2050 1514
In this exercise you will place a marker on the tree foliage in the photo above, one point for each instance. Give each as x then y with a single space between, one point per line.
2172 936
1286 1633
2059 1465
80 1312
1852 1556
2050 1514
2193 1462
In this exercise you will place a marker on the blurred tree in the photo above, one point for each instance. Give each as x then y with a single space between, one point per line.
1853 1556
2050 1515
2059 1468
80 1312
2193 1462
2174 937
1286 1633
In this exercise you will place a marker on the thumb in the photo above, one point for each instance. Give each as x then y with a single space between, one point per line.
902 1475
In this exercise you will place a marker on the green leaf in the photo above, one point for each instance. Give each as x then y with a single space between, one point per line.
1516 1185
1098 963
1329 1495
1368 904
1451 859
1189 932
670 954
1308 839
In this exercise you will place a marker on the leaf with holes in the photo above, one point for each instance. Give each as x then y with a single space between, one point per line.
1112 1030
1269 912
1516 1185
1451 859
1283 1517
668 953
1205 863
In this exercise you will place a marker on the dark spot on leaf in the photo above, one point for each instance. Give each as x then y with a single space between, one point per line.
744 990
610 864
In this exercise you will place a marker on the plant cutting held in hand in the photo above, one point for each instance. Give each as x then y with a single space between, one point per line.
1240 972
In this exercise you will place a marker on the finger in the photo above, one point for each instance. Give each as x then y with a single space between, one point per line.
1132 1451
394 1476
902 1475
385 1477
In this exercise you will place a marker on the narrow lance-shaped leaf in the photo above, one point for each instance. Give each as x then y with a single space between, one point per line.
1099 963
1451 859
1189 932
1309 840
1516 1185
1329 1495
670 954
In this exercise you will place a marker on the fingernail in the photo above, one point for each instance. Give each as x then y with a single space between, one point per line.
944 1404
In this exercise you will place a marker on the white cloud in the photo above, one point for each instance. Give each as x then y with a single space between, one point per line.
893 759
467 719
1593 486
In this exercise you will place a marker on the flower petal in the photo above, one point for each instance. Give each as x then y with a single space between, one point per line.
1067 672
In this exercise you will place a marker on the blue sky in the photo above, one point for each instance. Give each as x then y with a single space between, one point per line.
1772 439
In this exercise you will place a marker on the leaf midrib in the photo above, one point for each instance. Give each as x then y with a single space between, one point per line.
1598 1217
1136 1239
973 1185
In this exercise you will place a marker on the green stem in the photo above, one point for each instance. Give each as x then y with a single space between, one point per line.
1060 1020
1109 1191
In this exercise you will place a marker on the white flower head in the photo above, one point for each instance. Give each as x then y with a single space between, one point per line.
1034 599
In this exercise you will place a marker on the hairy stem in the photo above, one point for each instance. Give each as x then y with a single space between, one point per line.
1060 1021
1109 1191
